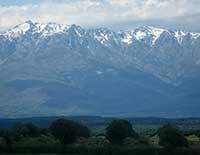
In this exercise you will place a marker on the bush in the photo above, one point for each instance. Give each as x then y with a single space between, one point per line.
8 136
68 131
25 130
45 131
170 136
93 141
141 142
118 130
34 142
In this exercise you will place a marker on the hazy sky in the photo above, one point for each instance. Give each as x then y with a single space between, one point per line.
117 14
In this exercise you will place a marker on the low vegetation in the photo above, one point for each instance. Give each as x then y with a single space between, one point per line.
119 138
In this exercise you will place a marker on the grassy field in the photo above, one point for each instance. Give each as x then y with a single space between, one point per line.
128 152
27 154
111 150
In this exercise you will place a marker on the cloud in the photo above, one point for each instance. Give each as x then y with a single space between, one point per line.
102 12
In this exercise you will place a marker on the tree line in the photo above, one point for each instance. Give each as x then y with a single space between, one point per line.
67 132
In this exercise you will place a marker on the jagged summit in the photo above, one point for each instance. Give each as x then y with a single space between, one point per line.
34 27
148 33
133 47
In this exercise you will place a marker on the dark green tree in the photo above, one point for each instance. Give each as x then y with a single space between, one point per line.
68 131
170 136
118 130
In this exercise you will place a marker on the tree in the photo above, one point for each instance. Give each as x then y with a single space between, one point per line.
170 136
118 130
68 131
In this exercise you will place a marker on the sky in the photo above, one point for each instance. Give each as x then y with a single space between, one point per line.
115 14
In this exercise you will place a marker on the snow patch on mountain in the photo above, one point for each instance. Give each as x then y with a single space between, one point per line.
44 29
102 35
128 39
50 28
17 31
179 36
195 35
148 31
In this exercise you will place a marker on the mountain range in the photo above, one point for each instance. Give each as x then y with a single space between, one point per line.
53 69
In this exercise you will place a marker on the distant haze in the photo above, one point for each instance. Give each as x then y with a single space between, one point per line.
115 14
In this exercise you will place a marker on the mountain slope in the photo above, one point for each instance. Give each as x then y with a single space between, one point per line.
52 69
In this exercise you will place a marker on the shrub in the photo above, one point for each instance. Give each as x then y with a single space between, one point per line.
93 141
8 136
34 142
141 142
25 130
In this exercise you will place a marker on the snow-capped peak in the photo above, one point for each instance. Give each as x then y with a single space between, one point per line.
195 35
18 30
181 34
148 31
128 38
105 36
41 28
143 43
50 28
